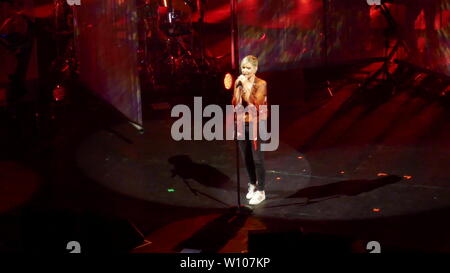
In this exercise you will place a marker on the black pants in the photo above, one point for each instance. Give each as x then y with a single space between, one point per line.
254 159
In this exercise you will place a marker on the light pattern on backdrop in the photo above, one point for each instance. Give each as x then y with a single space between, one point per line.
108 46
288 34
282 33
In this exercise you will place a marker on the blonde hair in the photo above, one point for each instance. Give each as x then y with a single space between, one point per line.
251 60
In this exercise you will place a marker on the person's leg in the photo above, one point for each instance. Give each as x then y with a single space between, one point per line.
258 159
260 170
246 155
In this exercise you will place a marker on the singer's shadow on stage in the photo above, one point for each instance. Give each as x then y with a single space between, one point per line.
186 169
318 194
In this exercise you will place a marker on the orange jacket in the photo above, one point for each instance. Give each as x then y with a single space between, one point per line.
257 97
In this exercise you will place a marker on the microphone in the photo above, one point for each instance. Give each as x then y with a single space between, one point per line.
239 83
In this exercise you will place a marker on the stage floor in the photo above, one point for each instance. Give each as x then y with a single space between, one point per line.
334 183
359 164
362 166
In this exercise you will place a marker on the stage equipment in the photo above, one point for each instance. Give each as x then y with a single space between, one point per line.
17 35
65 65
167 42
390 32
234 37
228 81
235 68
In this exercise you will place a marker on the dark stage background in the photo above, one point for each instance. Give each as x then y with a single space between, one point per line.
288 34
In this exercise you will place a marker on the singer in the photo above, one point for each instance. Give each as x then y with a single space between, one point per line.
251 90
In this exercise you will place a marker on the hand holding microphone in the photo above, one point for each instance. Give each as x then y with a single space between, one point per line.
243 84
243 88
240 81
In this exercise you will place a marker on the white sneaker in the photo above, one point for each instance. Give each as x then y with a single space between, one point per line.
257 198
251 191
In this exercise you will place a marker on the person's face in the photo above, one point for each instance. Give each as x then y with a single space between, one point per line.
248 69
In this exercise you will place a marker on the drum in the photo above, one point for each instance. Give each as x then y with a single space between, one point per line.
175 17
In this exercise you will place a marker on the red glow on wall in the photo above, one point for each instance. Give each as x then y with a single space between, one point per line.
421 43
420 21
216 15
43 11
59 93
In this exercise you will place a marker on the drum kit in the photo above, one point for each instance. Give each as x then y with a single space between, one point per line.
170 47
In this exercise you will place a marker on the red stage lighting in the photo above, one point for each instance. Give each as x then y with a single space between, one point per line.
59 93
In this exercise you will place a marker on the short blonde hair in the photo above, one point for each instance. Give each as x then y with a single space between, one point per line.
251 60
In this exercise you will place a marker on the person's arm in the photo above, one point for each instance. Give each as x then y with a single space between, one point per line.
237 99
242 89
258 98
